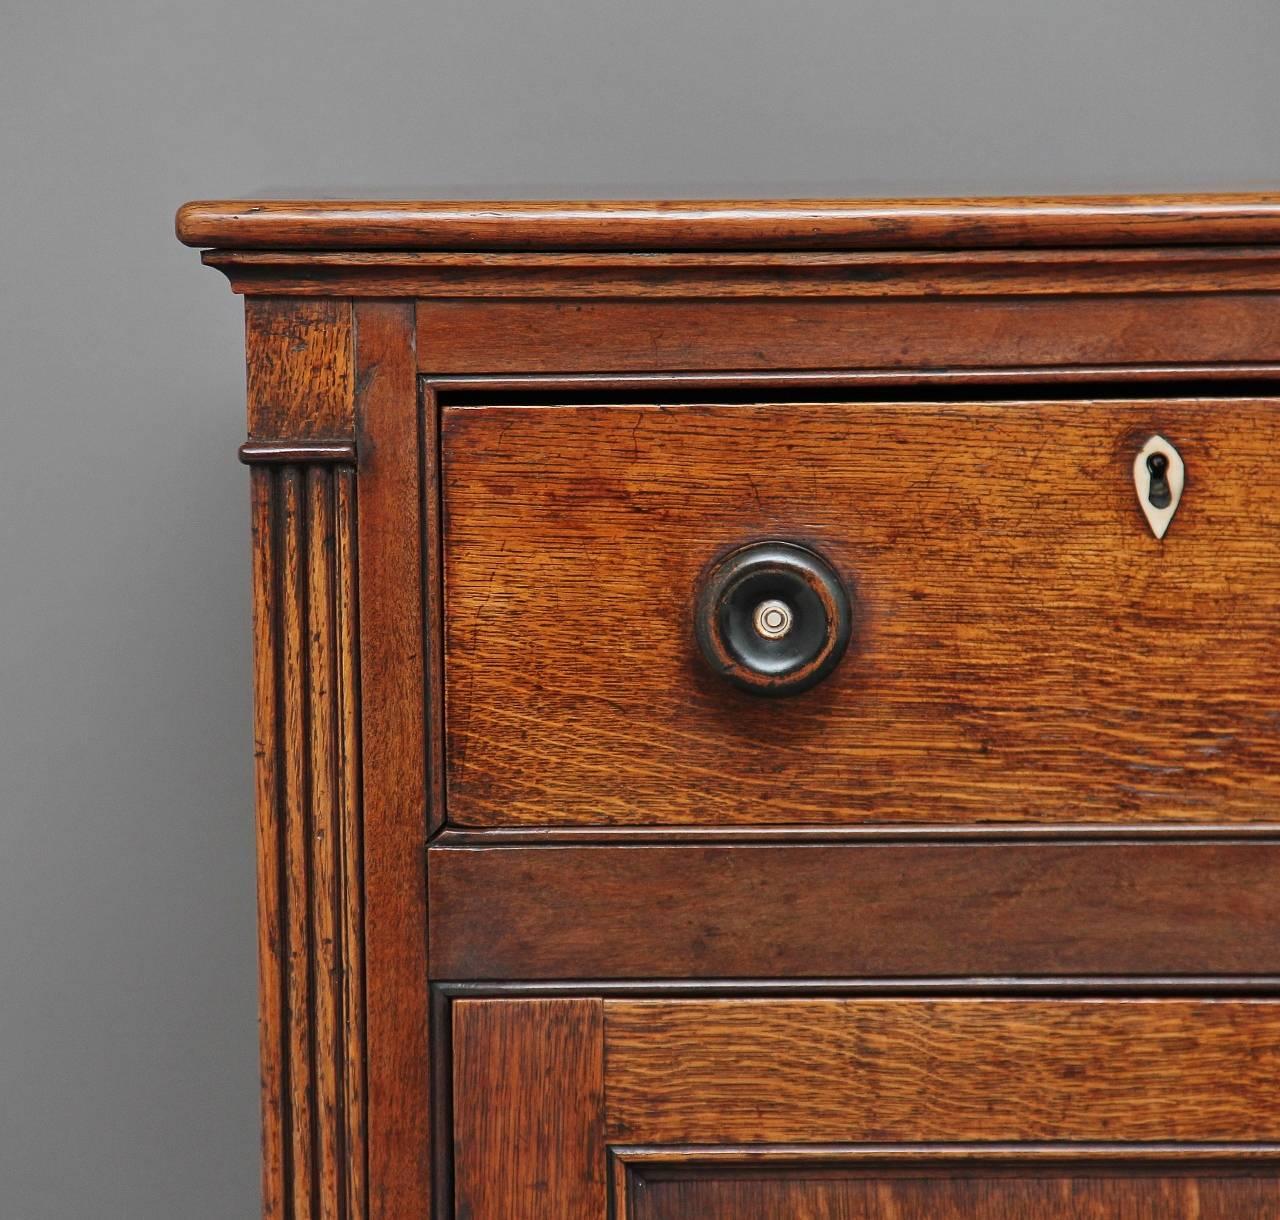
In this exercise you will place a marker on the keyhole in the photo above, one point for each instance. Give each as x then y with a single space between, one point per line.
1159 495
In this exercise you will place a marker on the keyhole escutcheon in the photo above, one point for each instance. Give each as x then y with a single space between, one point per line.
1158 477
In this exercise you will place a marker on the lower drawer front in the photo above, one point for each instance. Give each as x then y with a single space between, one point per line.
866 1108
1023 648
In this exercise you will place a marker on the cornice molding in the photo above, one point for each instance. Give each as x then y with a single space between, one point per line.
1067 272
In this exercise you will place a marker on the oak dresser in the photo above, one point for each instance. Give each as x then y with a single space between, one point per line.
765 710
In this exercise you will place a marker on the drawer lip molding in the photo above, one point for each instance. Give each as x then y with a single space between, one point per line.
929 832
865 380
1023 649
818 224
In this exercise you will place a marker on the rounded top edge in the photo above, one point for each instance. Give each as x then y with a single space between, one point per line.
779 224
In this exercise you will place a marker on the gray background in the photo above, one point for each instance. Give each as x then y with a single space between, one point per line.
127 1040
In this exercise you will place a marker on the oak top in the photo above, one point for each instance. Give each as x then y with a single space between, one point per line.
817 224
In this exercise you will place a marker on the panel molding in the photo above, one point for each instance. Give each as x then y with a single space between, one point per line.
633 1167
942 832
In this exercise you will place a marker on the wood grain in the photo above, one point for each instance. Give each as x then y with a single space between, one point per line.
1081 379
1048 770
670 335
718 275
1046 1196
299 359
1024 650
268 785
839 224
806 1071
308 822
394 758
832 911
253 453
528 1109
433 605
1150 1181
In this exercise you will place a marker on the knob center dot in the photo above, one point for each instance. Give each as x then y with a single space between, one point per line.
772 619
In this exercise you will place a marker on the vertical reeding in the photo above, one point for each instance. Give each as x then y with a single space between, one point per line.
297 840
310 844
352 890
266 746
326 965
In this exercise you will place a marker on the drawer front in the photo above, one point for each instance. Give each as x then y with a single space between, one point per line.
1022 647
952 1109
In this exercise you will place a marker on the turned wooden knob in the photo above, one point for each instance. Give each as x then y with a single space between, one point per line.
773 618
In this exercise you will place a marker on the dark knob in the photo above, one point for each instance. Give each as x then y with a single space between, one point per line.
773 617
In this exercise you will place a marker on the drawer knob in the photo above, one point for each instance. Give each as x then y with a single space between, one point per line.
773 618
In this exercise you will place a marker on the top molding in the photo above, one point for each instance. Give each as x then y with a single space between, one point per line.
776 225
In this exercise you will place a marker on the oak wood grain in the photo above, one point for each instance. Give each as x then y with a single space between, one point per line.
669 335
528 1109
776 1071
831 911
1047 1196
394 761
730 224
1024 650
860 1181
710 276
433 597
1048 770
353 1156
299 360
310 900
273 1048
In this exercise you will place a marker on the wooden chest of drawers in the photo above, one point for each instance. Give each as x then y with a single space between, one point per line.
766 710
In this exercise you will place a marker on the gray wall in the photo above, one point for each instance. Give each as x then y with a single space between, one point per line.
127 1038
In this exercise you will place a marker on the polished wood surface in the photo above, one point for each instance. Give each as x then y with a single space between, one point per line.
300 369
1065 1195
506 336
718 274
832 911
528 1087
982 925
1024 649
682 1102
834 1071
1117 220
309 840
394 759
